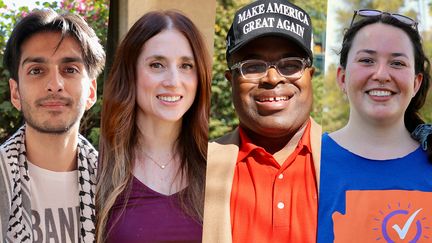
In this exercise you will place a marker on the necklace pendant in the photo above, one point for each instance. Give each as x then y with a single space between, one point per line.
163 166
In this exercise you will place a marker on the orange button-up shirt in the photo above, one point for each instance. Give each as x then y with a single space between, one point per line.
270 202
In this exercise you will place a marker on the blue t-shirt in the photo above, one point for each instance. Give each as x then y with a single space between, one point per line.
364 200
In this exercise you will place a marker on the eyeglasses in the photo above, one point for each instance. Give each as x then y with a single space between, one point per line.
291 68
375 13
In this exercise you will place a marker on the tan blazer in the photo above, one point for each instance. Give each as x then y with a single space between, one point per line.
221 161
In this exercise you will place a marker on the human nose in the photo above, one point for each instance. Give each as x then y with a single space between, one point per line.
55 82
381 73
172 78
272 77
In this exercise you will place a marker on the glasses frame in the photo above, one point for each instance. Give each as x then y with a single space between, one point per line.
306 62
375 13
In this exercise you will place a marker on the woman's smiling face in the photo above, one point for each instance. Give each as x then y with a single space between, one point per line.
166 77
379 78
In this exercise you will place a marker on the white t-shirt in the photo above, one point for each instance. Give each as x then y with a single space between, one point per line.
54 204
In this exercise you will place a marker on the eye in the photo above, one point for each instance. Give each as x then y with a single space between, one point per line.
366 60
156 65
71 70
290 67
187 66
35 71
398 64
254 67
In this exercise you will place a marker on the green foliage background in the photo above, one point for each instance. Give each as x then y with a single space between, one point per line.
222 114
95 12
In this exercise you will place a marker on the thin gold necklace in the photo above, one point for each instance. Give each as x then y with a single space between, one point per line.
162 166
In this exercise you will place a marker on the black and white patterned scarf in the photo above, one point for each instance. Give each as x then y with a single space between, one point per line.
19 227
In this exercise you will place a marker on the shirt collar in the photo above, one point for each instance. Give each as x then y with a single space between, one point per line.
247 146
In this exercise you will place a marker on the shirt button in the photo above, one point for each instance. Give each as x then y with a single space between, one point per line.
280 205
280 176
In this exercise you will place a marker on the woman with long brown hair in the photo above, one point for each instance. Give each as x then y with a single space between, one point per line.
154 130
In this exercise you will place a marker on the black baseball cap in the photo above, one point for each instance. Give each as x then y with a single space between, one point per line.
270 18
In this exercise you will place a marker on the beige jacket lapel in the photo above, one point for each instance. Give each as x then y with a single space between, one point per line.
220 173
315 134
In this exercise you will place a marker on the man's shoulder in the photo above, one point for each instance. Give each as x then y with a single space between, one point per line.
229 138
315 134
315 127
87 151
84 143
13 143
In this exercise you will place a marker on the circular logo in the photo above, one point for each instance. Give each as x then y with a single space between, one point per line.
402 230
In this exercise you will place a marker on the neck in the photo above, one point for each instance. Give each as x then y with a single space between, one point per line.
55 152
159 136
280 147
376 139
158 140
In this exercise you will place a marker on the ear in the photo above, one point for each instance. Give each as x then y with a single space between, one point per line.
340 77
91 100
417 82
311 71
228 75
15 95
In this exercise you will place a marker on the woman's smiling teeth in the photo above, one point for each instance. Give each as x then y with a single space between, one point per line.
273 99
169 98
380 93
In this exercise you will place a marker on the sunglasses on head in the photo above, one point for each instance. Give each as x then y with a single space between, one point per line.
377 13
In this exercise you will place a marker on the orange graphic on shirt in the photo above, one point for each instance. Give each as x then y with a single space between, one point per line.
385 216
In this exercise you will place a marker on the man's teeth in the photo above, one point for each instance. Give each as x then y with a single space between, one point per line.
379 93
271 99
169 98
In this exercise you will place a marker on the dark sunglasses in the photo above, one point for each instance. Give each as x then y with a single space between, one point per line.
375 13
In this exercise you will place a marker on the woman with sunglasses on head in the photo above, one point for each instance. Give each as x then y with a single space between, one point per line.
376 172
154 128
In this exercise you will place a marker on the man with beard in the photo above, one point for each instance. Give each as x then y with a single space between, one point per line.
261 183
47 169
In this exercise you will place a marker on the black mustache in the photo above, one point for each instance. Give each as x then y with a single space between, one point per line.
54 97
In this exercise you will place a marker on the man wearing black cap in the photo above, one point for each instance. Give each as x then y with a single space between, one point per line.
262 178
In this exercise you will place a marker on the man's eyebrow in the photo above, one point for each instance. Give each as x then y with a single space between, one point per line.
294 54
284 55
72 59
251 56
33 59
43 60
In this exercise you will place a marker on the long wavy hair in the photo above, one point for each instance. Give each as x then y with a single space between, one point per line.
118 135
422 65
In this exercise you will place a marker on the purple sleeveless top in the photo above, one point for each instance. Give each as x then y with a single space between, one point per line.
151 217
